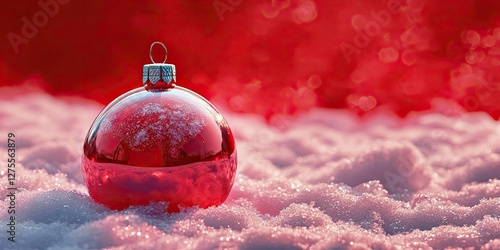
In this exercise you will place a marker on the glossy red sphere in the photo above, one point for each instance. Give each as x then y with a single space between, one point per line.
168 145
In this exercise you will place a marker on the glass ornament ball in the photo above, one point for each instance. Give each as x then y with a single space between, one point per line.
159 143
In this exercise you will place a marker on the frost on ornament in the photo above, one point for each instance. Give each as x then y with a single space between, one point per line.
149 122
161 143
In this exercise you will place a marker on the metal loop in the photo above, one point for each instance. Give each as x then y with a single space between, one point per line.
151 51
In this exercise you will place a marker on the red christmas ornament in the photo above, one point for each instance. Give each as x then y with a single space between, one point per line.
160 143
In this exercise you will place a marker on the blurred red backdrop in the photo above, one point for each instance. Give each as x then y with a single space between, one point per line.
272 57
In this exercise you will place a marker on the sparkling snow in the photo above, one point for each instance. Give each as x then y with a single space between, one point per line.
330 180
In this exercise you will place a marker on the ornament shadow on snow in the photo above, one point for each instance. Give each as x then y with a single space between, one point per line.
159 143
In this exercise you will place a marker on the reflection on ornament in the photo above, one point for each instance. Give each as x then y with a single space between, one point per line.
160 143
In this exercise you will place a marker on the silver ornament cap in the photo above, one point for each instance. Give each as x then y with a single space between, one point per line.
158 72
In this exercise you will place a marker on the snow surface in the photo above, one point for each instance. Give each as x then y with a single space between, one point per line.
330 180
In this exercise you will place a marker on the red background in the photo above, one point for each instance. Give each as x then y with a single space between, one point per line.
272 57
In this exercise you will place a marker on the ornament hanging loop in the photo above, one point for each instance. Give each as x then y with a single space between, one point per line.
151 52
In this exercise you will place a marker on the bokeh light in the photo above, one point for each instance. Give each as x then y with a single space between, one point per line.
276 58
